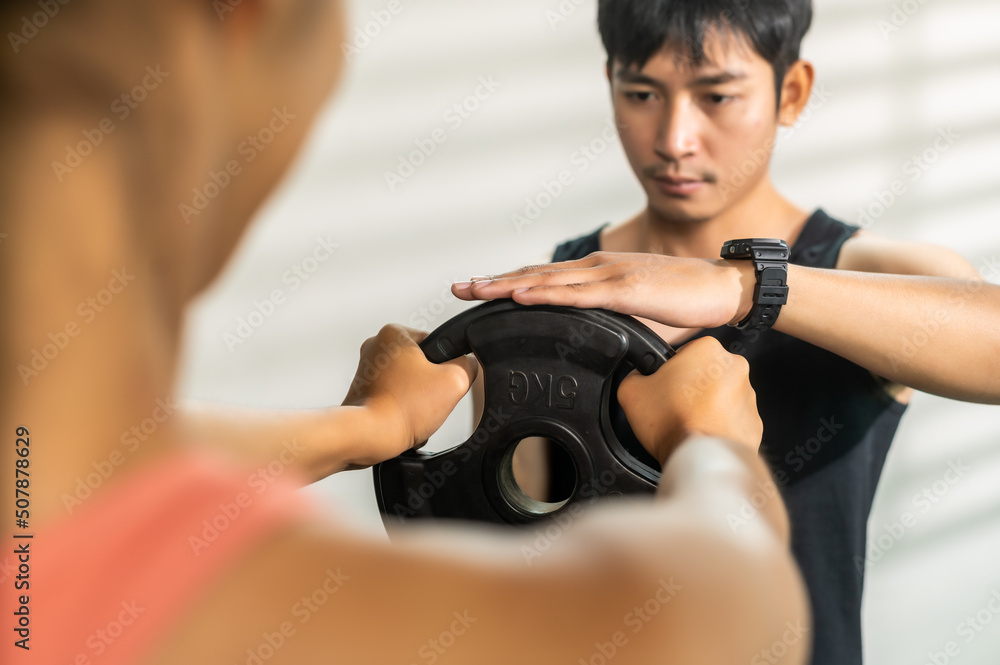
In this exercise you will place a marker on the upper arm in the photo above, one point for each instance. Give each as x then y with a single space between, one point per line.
471 595
867 252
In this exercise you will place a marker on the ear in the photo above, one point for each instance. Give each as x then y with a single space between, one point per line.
795 92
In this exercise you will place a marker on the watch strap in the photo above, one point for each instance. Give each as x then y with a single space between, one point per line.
770 257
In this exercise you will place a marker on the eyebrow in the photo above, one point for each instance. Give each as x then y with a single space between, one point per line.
718 79
628 76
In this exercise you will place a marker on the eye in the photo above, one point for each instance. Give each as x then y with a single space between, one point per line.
639 95
717 99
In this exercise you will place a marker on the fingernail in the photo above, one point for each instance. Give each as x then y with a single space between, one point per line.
462 285
482 282
516 291
479 278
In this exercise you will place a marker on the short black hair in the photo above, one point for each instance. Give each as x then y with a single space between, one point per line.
633 31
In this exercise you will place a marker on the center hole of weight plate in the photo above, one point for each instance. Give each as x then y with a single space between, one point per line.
538 476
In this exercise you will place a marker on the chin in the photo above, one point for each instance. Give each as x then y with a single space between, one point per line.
683 210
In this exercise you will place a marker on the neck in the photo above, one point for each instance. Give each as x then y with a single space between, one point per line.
763 212
90 350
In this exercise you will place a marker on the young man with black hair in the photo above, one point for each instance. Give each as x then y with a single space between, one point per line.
699 90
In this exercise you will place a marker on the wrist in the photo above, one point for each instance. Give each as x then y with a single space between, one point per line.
742 280
366 431
348 432
671 441
388 432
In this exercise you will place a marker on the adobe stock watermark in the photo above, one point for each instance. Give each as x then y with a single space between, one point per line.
706 377
635 620
797 459
551 530
248 149
258 482
363 35
552 188
31 25
554 529
926 330
562 12
433 649
579 334
303 611
968 629
424 317
131 440
989 270
913 170
9 569
59 340
105 637
760 158
923 503
121 108
900 15
454 118
294 278
750 507
434 480
802 454
794 631
225 7
442 305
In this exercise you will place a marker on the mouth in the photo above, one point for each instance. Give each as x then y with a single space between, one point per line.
679 185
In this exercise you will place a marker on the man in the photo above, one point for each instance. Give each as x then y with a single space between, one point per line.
699 91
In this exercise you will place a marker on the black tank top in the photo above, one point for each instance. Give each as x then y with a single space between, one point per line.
828 424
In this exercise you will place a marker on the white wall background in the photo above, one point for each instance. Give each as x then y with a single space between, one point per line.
889 95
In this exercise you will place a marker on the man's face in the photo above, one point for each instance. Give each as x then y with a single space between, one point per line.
688 129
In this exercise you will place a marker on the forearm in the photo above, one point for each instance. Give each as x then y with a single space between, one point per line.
311 443
730 568
719 478
705 488
933 334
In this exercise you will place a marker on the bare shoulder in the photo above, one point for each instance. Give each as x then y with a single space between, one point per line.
869 252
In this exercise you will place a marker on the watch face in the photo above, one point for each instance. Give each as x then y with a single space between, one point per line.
767 249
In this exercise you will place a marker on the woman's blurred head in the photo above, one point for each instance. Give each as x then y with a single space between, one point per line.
206 103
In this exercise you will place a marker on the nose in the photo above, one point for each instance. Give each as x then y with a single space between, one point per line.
678 133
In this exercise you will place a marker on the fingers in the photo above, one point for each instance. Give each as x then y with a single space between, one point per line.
630 387
393 332
395 338
580 271
590 295
703 388
589 261
493 288
467 368
707 346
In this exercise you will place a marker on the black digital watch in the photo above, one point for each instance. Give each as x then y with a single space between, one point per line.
770 257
